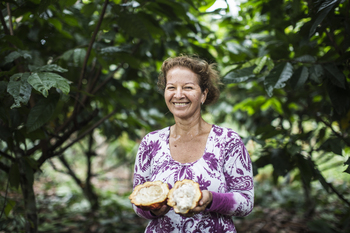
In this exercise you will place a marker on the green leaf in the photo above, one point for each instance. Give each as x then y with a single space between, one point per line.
306 168
56 23
14 175
347 170
327 3
9 206
306 58
41 112
5 133
47 68
260 64
316 73
43 81
339 97
277 77
16 54
14 40
76 55
19 88
133 26
335 75
332 145
321 16
114 49
299 77
240 75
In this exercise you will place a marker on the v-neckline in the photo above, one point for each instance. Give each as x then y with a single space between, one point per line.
189 163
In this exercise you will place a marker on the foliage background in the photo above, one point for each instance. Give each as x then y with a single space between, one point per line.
78 91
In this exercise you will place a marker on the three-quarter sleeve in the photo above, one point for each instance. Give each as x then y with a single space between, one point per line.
142 172
238 198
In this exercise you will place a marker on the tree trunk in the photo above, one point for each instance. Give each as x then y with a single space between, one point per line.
26 182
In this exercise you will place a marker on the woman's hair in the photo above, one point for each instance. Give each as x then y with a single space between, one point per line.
208 76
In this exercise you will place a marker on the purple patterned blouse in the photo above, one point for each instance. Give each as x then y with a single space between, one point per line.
225 169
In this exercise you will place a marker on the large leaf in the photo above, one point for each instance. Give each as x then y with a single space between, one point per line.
41 112
19 88
335 75
240 75
277 77
77 55
339 97
316 73
332 145
43 81
299 77
16 54
322 13
47 68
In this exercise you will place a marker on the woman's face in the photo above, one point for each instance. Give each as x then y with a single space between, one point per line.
183 94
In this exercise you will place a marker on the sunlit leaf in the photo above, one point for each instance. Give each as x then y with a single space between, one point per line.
240 75
44 81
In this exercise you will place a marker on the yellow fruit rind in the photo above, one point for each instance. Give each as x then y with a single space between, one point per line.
154 204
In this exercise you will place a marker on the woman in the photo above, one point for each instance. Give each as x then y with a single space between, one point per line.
213 156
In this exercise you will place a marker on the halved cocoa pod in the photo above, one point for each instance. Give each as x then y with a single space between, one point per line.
184 196
150 195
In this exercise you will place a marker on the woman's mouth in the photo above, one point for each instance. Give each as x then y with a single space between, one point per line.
180 104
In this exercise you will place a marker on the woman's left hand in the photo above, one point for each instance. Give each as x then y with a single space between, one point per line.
207 198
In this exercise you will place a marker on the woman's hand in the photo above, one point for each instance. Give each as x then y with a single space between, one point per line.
161 211
207 198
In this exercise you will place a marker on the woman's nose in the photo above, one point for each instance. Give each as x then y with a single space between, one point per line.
178 93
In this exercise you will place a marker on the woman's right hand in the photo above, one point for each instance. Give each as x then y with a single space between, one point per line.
161 211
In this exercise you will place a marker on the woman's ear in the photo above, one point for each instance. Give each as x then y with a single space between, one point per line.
204 95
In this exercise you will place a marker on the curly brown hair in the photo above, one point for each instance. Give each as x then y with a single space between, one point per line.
208 76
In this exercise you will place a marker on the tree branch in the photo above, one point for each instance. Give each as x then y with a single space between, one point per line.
10 18
85 133
82 74
70 171
339 135
341 197
7 156
50 150
4 167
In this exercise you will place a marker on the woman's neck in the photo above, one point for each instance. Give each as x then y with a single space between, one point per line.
188 129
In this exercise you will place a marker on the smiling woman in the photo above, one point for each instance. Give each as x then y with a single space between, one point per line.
214 157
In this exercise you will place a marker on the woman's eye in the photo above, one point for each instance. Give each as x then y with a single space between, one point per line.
169 88
188 87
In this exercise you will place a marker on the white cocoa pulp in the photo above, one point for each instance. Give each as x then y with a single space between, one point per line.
149 194
183 196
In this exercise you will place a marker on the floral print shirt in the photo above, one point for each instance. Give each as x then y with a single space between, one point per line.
225 169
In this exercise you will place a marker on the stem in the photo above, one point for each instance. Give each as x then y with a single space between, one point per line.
6 30
86 132
10 18
82 74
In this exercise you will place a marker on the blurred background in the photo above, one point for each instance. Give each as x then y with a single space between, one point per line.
78 92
